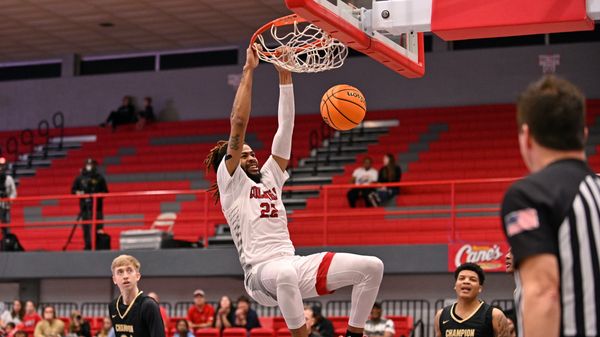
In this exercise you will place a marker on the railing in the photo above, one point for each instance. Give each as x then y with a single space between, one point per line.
453 203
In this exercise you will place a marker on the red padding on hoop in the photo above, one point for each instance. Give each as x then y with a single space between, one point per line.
473 19
357 39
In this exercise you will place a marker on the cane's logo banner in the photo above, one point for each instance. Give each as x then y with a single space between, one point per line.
490 257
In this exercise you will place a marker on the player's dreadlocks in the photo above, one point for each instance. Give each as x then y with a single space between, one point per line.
213 159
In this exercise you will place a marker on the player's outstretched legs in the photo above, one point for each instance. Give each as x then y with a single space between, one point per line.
364 274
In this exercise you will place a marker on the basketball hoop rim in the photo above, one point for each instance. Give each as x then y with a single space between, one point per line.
306 48
282 21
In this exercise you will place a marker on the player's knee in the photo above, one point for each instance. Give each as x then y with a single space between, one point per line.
287 275
373 266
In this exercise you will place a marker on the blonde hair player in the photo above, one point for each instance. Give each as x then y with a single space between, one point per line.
133 314
251 202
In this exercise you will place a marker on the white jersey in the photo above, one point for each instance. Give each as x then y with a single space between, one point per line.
255 213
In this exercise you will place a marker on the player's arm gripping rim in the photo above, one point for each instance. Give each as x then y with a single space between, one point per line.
282 141
499 323
240 114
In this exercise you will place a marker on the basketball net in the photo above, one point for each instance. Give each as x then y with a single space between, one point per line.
306 49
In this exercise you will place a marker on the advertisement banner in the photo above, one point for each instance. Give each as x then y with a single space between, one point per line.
490 256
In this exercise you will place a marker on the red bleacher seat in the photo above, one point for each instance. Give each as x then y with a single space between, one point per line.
284 332
266 322
234 332
210 332
339 322
402 324
262 332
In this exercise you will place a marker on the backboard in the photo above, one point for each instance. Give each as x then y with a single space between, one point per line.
391 31
349 21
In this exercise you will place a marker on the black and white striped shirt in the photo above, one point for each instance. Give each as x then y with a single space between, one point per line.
557 211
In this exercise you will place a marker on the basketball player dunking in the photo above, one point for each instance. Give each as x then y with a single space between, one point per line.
470 316
251 202
133 314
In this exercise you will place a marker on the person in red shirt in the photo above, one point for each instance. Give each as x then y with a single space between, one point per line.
31 317
201 314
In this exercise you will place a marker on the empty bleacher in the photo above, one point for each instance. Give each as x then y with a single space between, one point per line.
441 144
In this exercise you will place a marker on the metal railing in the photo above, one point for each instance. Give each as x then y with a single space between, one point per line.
205 214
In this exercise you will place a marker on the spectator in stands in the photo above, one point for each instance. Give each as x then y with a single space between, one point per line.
163 311
245 317
19 333
469 316
50 326
511 314
183 329
225 314
200 315
31 317
377 325
147 115
89 182
389 173
7 190
78 326
8 330
125 114
15 315
317 324
106 330
363 175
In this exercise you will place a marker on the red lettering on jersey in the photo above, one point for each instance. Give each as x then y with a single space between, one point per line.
256 193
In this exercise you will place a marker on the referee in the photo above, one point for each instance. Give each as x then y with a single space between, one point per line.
551 218
133 314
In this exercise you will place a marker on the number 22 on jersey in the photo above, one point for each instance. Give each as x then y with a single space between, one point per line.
268 210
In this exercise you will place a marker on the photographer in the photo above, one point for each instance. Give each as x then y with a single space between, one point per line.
78 326
7 190
90 182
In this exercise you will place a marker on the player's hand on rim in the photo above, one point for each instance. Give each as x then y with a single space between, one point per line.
252 57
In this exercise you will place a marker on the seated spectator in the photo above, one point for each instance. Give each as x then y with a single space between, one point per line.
245 317
200 315
15 315
363 175
9 329
163 311
106 330
182 329
377 325
78 326
147 115
389 173
225 314
50 326
20 333
125 114
31 317
319 325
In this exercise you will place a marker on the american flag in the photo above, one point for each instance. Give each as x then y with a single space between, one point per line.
522 220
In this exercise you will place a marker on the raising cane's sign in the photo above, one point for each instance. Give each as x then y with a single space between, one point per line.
489 256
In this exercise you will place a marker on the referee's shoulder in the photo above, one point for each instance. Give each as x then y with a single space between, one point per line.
520 188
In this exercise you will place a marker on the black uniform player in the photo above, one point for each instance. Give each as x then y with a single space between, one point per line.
133 314
552 217
470 316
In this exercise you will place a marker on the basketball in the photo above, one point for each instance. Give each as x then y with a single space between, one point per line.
343 107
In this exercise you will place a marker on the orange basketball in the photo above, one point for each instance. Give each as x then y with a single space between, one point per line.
343 107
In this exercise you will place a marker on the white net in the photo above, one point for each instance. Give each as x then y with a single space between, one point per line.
304 49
